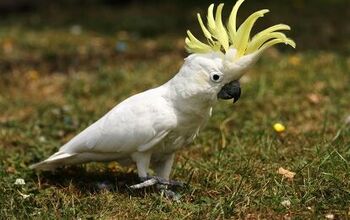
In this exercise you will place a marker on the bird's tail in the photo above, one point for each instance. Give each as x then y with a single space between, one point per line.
56 160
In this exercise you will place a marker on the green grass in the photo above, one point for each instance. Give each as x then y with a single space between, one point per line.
53 84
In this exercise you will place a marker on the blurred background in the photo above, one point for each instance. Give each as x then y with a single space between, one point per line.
43 42
60 35
63 64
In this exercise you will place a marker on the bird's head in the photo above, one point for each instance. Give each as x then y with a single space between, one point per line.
218 64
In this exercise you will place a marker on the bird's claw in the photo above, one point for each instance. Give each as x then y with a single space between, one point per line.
146 183
169 193
153 180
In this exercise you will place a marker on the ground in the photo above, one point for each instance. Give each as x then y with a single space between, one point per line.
60 71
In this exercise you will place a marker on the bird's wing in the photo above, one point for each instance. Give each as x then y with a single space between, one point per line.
136 124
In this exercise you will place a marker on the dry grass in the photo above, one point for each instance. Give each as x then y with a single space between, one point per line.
54 83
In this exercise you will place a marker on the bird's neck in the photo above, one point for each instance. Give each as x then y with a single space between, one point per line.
187 100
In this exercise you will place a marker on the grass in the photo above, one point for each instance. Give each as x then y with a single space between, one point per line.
54 83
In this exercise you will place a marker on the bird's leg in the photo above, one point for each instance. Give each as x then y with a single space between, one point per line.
163 167
142 160
163 170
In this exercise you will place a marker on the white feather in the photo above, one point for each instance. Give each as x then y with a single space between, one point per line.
150 125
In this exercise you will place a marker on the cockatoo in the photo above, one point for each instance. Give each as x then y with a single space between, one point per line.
149 127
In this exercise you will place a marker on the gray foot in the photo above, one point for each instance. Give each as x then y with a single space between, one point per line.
155 180
169 193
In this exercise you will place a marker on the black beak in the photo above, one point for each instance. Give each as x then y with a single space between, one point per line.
231 90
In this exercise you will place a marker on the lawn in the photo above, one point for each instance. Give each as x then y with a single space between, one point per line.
61 69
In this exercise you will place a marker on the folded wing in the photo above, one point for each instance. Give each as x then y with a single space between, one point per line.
137 124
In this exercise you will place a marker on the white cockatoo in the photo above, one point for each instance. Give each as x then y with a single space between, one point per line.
149 127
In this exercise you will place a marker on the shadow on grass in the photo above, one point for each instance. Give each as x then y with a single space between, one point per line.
93 182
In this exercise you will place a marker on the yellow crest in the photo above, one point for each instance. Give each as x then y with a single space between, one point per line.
221 38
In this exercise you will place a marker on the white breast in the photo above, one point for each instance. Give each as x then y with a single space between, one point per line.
184 134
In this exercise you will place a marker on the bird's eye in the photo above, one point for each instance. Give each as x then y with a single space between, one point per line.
216 77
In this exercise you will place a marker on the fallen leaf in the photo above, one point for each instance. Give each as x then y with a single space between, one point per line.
314 98
286 173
